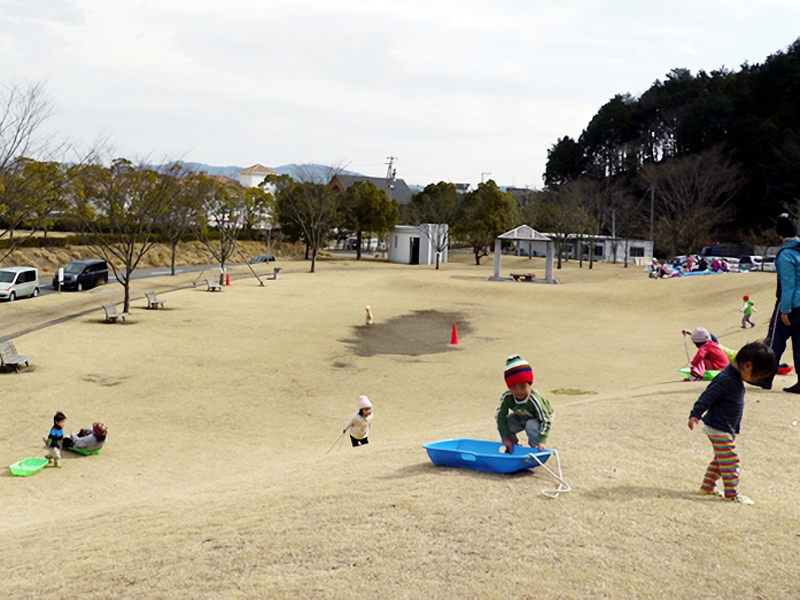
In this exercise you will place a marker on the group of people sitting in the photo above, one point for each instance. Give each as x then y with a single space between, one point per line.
693 264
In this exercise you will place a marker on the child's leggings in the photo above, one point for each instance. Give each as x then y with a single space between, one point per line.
725 465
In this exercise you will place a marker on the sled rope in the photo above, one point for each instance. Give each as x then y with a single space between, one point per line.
563 486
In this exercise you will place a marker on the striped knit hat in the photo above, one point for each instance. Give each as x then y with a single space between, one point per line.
518 370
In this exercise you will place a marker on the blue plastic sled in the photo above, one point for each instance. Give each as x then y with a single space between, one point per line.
483 455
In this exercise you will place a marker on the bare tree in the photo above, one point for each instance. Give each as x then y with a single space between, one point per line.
32 181
692 195
437 209
223 208
185 209
116 209
309 207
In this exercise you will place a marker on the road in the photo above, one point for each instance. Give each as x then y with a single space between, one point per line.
46 288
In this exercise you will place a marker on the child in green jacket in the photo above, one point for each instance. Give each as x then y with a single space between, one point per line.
529 410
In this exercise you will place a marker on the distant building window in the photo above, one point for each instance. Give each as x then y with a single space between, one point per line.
637 251
395 241
598 251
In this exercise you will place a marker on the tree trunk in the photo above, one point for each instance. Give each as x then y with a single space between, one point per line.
126 304
313 260
172 260
358 245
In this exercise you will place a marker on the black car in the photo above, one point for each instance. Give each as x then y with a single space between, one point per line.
259 258
83 274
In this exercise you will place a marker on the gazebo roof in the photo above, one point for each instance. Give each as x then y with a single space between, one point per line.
524 232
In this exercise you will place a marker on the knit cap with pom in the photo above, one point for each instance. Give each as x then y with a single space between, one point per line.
363 402
518 370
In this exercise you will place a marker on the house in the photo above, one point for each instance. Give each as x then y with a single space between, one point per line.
252 176
416 245
396 189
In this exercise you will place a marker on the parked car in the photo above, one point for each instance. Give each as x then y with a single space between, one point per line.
18 282
750 262
262 258
768 264
83 274
717 250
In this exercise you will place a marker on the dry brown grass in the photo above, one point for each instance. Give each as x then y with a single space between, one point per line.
216 482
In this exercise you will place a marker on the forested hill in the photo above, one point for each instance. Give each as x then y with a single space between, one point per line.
751 116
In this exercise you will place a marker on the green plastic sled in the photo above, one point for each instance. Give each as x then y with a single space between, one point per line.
28 466
708 376
86 452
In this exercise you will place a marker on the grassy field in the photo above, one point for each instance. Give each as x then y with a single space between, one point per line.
224 475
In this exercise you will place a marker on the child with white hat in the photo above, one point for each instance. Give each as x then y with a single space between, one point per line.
360 424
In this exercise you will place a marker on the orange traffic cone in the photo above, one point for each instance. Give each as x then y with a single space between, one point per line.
227 279
454 337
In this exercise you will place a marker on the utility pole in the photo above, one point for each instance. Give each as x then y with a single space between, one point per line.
390 175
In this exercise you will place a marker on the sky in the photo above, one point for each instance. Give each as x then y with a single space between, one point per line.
454 90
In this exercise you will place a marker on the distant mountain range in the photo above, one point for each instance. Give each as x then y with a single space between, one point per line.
312 171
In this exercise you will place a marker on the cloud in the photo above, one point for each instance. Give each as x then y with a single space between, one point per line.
452 87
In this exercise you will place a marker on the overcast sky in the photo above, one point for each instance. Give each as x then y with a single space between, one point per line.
455 89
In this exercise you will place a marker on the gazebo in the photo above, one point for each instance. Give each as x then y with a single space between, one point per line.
524 233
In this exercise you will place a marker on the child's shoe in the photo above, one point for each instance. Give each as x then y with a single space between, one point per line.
740 499
714 492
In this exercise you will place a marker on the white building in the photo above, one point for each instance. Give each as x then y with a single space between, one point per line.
252 176
605 248
416 245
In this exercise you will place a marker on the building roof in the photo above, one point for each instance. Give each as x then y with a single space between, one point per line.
257 169
524 232
400 190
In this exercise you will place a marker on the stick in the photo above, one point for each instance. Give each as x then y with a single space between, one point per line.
686 349
334 444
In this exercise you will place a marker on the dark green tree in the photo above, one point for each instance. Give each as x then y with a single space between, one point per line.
487 212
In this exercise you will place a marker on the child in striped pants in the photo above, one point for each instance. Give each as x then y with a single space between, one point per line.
721 407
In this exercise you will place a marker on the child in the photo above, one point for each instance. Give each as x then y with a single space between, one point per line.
529 409
369 320
55 439
720 407
87 439
748 309
710 354
360 424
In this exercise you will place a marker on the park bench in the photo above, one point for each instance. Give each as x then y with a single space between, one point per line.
212 284
523 276
111 313
153 301
9 356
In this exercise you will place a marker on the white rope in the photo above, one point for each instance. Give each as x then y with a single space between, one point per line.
563 486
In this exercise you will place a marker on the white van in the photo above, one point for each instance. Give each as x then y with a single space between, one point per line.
18 282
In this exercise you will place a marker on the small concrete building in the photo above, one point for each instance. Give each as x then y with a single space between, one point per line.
416 245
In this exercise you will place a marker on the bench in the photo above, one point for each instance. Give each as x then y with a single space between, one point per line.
212 284
523 276
153 301
9 356
111 313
